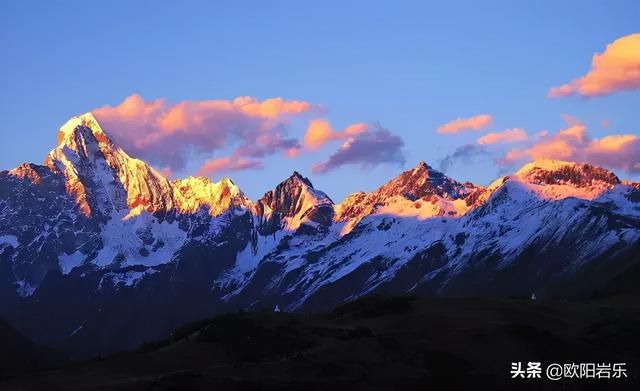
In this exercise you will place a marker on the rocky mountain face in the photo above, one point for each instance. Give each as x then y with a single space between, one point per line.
99 252
443 195
293 204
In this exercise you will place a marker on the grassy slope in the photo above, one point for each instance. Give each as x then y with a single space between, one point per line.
373 343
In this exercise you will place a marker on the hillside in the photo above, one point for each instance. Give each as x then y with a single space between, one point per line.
373 343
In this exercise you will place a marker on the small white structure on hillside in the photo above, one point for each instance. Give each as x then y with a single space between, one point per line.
533 296
277 309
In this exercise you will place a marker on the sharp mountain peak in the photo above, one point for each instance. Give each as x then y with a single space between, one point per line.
76 124
83 137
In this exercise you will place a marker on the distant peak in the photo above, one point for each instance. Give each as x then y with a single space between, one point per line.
549 171
545 164
26 170
227 181
86 120
204 182
297 176
422 167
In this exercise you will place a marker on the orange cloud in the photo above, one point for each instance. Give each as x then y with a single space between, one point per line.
292 152
573 144
506 136
319 132
228 163
167 135
271 108
461 124
542 134
616 69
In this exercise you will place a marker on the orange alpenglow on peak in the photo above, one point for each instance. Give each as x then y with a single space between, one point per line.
86 120
82 139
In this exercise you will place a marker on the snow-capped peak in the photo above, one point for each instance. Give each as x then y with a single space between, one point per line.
101 176
557 179
83 137
406 194
194 193
421 166
105 179
69 131
555 172
26 170
298 183
293 202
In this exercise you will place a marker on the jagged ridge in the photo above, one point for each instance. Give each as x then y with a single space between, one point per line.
96 224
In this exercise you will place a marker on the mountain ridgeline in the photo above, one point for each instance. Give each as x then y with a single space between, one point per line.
100 253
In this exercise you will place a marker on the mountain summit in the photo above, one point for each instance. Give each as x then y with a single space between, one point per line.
77 128
291 204
102 177
102 240
405 194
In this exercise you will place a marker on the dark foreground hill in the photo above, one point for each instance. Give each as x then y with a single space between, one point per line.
375 343
19 355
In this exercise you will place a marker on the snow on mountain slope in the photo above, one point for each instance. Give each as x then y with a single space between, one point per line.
576 213
420 192
105 220
291 204
193 194
98 228
556 179
93 204
101 176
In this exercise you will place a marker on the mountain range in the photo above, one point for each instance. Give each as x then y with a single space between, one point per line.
100 253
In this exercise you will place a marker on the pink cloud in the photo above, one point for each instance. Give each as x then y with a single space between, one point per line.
616 69
506 136
168 134
366 149
292 153
271 108
619 151
541 134
461 124
226 164
319 132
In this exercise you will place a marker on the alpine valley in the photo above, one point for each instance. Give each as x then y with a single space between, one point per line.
99 253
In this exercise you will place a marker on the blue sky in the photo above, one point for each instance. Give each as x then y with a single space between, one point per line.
409 66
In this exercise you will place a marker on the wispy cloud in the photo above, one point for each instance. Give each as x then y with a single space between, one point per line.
168 134
572 143
466 153
506 136
227 164
616 69
477 122
367 148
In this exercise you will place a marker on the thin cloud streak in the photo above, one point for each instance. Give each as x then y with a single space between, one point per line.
227 164
477 122
506 136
